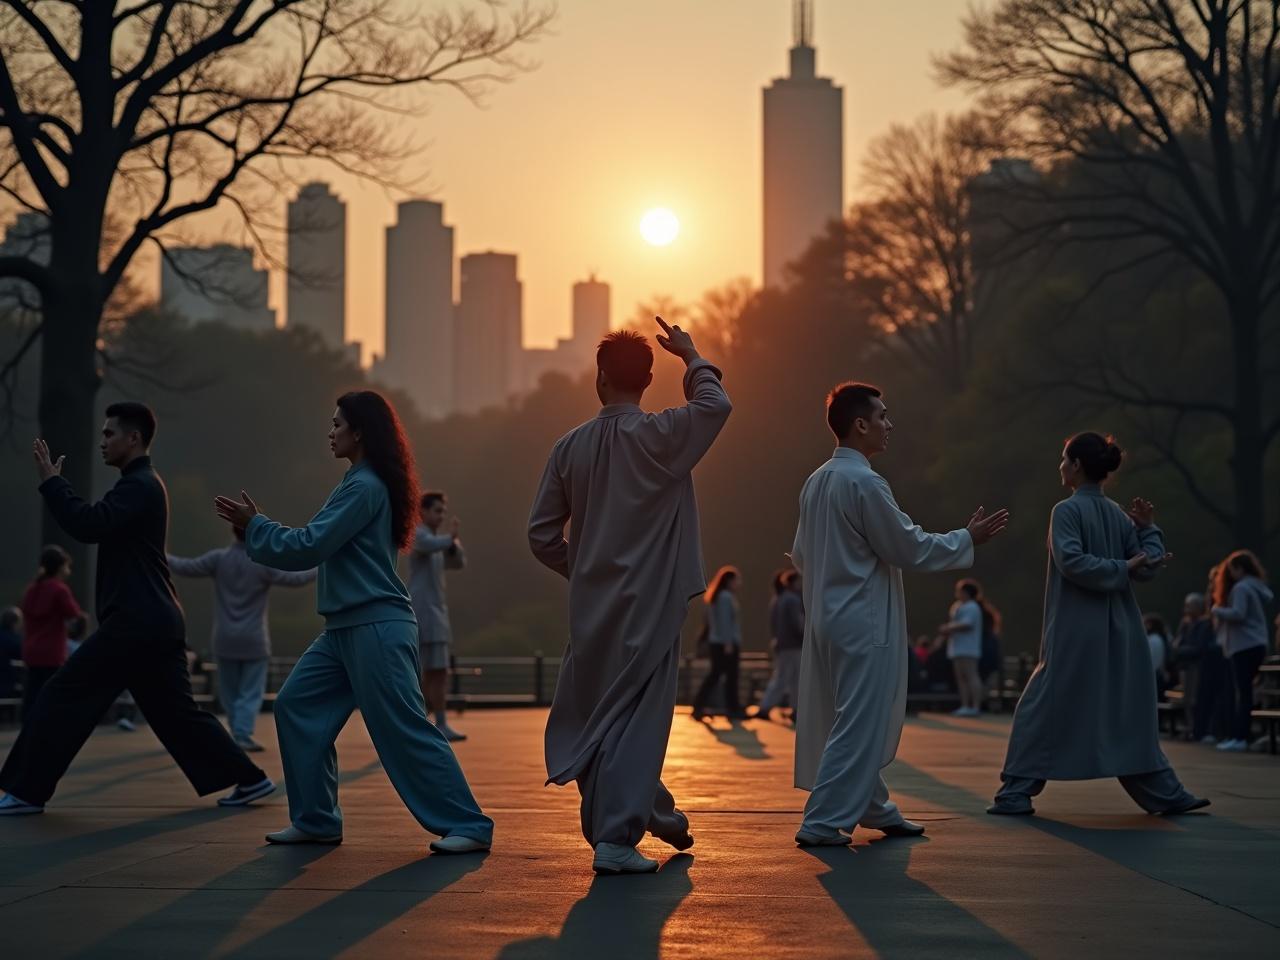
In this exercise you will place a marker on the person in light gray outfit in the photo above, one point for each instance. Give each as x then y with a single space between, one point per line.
1240 598
1089 709
786 624
430 554
241 639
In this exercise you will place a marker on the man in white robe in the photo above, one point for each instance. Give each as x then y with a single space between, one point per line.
851 545
633 558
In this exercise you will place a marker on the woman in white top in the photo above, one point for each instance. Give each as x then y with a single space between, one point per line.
1240 599
724 640
964 645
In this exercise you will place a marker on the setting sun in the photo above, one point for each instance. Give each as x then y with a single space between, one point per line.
659 226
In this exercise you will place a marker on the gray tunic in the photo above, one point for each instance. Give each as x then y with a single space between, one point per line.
240 588
430 555
1089 709
623 483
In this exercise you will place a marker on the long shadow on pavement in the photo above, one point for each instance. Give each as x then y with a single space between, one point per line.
342 922
899 916
620 918
1213 857
742 738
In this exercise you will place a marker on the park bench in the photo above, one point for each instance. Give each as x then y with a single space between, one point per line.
1269 720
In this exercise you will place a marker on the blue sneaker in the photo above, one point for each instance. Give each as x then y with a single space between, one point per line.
11 806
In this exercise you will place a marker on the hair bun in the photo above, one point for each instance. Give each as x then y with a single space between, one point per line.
1113 456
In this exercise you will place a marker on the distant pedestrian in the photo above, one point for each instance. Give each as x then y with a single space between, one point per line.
724 642
964 645
1089 709
10 650
241 637
140 641
1240 598
786 624
1200 666
431 553
49 610
1158 645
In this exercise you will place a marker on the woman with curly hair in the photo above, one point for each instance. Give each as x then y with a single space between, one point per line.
1240 599
367 656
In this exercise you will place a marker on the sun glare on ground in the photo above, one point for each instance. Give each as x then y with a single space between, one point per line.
659 226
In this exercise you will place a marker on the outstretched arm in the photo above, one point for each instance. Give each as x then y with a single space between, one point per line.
290 578
273 544
201 566
547 518
899 541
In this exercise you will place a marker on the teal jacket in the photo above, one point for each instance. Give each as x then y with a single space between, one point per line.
350 541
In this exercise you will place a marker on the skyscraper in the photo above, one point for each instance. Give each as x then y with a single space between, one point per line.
489 365
218 284
803 153
317 290
419 352
590 320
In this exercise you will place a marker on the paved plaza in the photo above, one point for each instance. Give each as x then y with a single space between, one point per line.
128 863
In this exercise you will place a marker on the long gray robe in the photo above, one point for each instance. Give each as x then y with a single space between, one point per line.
633 557
1089 709
851 545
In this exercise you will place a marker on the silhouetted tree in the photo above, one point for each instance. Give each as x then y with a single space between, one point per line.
120 119
1167 112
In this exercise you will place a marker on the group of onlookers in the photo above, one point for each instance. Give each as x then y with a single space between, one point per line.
1215 653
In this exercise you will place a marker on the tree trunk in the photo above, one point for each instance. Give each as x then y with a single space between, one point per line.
1247 456
69 381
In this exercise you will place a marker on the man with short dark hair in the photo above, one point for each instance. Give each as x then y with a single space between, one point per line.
851 545
430 555
633 558
140 641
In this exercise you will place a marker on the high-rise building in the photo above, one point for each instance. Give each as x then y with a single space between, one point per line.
317 289
803 153
590 320
219 284
489 366
419 353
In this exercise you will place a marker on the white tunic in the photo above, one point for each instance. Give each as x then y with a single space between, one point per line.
851 545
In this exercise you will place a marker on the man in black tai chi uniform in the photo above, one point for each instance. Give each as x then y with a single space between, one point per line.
140 641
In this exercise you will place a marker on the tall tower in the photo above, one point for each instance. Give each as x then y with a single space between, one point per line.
216 284
418 356
803 153
489 364
317 291
590 319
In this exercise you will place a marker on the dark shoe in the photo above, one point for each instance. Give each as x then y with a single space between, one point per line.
806 839
244 795
907 828
1195 803
1012 808
761 714
250 745
698 713
681 843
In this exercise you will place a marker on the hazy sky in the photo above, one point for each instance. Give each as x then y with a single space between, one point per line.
636 105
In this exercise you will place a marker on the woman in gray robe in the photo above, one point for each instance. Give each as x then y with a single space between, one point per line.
1089 709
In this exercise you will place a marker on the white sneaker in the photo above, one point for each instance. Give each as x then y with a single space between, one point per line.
292 835
459 844
1233 746
242 796
615 858
127 725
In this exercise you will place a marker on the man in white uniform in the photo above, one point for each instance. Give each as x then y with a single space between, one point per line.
851 545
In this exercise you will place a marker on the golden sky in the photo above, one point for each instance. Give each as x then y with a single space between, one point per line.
635 105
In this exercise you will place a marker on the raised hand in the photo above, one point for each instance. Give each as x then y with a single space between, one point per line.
235 512
45 465
983 526
676 341
1142 511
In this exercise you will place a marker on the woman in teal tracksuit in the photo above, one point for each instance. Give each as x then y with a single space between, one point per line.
367 656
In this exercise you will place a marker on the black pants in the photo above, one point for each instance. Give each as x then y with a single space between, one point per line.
76 697
33 681
1244 667
723 664
1215 691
